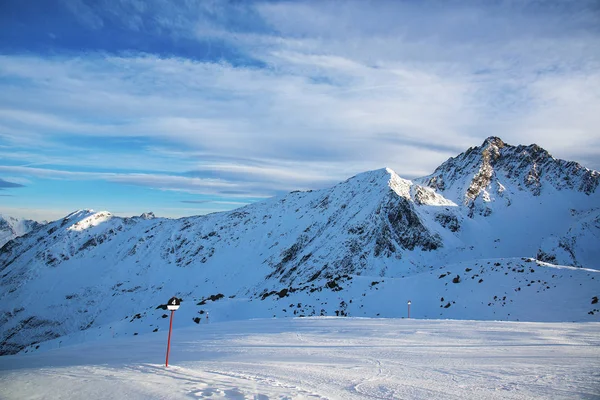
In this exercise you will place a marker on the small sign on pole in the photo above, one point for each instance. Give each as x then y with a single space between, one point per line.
409 309
173 304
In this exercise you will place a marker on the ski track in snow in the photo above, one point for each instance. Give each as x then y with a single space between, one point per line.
322 358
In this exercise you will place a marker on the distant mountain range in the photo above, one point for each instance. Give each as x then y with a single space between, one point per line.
498 232
11 227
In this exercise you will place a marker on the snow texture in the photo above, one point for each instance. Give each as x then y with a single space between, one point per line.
322 358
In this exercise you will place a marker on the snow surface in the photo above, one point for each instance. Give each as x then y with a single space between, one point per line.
90 221
321 358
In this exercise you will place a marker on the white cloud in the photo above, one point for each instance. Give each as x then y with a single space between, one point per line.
239 110
156 181
566 115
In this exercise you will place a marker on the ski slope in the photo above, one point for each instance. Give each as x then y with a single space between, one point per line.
321 358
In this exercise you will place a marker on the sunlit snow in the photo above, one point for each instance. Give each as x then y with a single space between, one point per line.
322 358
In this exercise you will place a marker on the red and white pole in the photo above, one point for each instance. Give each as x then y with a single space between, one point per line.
169 341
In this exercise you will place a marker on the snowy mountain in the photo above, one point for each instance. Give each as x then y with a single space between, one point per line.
11 227
553 201
498 233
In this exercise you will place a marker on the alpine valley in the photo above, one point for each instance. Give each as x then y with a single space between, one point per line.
499 232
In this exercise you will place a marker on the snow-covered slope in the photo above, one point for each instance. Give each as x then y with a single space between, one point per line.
320 358
456 244
11 227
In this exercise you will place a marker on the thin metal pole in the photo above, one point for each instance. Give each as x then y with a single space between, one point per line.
169 341
409 311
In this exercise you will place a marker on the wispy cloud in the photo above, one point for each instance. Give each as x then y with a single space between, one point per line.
155 181
229 203
269 115
8 185
257 98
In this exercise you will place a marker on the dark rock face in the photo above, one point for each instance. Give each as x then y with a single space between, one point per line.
448 221
392 228
44 330
405 226
545 257
489 156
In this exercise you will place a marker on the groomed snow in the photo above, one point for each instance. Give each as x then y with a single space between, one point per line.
322 358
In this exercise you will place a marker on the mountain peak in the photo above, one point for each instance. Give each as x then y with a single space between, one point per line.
11 227
497 170
147 215
493 141
90 219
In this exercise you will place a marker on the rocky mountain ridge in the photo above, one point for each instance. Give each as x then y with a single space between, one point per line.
483 173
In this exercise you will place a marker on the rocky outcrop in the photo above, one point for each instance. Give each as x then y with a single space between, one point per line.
485 172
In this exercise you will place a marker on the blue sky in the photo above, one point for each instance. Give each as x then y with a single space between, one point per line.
190 107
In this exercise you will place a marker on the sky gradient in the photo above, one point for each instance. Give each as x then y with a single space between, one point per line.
190 107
